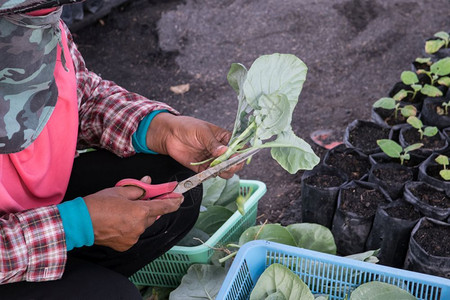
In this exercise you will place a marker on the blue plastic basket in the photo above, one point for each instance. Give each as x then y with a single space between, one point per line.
327 274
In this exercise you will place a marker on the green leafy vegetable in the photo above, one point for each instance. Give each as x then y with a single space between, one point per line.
201 282
219 191
375 290
304 235
194 238
313 237
210 220
279 282
267 95
269 232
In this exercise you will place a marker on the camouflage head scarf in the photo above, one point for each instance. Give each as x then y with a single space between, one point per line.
28 91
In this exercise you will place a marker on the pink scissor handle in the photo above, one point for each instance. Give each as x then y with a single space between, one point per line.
151 190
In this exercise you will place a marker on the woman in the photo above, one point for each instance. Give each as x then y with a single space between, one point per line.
66 230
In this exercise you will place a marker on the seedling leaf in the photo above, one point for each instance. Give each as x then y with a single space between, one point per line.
433 46
416 87
385 102
390 147
413 147
442 35
442 160
400 95
430 131
441 67
415 122
431 91
409 77
445 174
423 60
445 81
408 110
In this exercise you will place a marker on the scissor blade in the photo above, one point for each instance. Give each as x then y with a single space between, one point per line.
191 182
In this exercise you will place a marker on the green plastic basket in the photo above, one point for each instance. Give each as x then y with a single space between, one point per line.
169 269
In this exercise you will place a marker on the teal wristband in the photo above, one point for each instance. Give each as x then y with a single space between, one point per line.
139 138
77 223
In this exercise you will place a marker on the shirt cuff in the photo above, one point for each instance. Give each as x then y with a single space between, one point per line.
77 223
139 138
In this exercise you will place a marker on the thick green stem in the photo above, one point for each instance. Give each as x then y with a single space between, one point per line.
235 146
224 259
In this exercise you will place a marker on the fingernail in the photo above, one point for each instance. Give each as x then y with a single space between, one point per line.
146 178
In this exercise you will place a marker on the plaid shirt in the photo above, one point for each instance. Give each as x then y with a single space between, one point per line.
32 245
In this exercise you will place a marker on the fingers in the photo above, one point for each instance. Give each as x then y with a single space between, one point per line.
158 207
228 173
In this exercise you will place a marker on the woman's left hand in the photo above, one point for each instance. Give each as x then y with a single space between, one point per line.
189 140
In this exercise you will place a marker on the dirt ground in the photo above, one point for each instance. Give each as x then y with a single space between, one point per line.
355 51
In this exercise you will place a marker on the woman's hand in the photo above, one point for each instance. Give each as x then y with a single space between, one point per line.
118 218
189 140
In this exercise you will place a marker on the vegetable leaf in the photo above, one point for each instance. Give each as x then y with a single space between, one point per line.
292 152
201 282
267 95
380 290
313 237
210 220
270 232
279 282
273 116
276 73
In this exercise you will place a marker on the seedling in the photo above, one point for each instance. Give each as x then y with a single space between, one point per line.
423 130
443 161
394 150
410 79
422 63
441 40
444 111
438 72
394 103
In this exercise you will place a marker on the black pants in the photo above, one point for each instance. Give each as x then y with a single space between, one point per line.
99 272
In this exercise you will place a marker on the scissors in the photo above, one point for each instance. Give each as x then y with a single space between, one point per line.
166 190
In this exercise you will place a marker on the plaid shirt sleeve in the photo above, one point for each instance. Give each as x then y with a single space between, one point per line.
33 246
109 114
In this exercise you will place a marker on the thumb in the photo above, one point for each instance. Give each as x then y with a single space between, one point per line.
216 149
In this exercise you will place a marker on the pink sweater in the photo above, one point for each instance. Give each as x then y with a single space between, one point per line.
38 176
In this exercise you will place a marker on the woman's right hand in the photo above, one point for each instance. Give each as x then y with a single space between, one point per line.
118 218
